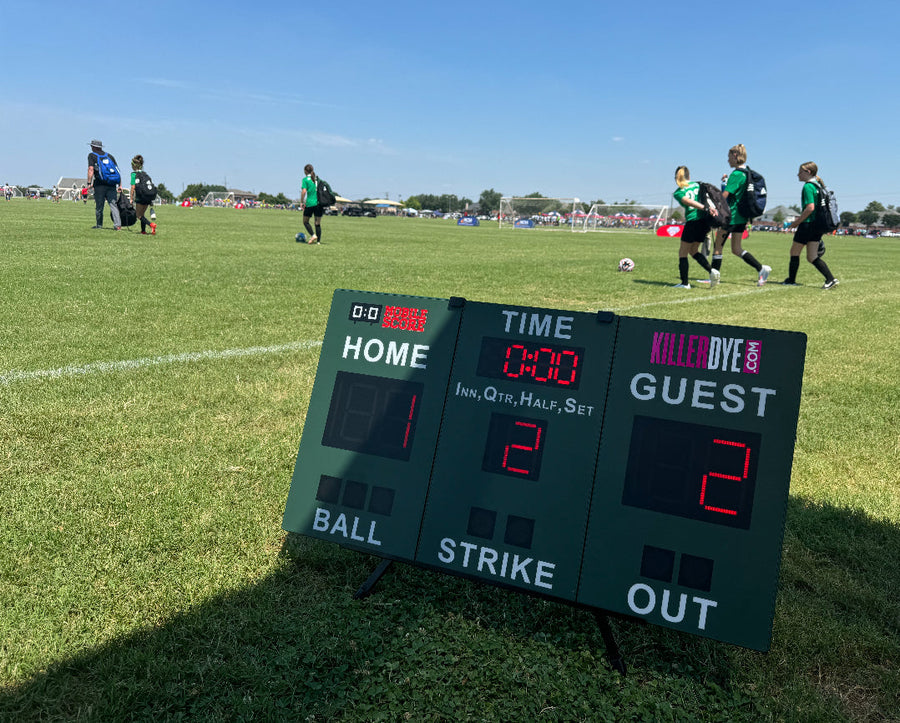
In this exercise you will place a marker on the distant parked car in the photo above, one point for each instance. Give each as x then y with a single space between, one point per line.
358 211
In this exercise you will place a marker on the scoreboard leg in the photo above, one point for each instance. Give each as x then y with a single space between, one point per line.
366 588
612 648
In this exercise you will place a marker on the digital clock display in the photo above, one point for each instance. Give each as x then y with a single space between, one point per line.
531 362
373 415
690 470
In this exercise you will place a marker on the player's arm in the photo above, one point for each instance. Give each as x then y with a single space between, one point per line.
808 210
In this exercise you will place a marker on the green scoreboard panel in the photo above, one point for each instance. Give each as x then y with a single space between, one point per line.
511 488
368 444
632 465
689 501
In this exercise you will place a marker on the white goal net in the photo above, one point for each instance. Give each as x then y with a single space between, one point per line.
539 212
218 198
623 217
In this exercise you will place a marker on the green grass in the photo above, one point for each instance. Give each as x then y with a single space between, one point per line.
144 573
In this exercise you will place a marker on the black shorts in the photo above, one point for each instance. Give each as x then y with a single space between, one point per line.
313 211
732 227
806 234
695 231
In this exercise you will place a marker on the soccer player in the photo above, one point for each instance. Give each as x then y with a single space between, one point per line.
140 204
735 186
696 227
806 234
309 204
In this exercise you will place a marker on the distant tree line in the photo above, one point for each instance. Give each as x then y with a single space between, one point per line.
199 191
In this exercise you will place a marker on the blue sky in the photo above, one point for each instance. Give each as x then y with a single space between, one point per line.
576 99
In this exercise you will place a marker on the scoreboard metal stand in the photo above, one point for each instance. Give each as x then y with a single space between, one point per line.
636 467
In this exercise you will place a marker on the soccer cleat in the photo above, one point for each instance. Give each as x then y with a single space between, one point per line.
789 282
681 286
830 284
153 229
313 239
764 275
714 276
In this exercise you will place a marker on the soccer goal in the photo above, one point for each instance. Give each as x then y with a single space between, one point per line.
539 212
219 198
623 217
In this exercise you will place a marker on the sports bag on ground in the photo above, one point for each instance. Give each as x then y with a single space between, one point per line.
127 214
144 188
711 197
753 202
107 170
827 217
324 193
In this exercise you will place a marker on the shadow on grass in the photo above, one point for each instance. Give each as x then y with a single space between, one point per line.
297 645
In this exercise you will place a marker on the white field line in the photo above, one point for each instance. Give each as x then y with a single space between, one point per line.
132 364
695 298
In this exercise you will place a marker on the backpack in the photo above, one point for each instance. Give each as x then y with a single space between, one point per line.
127 214
753 202
324 193
144 188
711 197
107 170
827 217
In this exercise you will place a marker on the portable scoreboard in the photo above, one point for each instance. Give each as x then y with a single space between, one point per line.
631 465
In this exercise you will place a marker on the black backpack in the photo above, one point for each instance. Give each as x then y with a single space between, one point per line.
711 197
127 214
144 188
827 218
753 202
324 193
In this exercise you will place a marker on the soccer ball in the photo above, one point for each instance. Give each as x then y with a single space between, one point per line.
300 238
626 265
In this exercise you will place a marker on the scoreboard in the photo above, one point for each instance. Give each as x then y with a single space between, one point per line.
633 465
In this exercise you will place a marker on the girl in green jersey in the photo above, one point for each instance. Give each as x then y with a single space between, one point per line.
806 234
696 227
734 189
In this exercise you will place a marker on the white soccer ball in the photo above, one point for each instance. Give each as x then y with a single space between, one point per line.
626 265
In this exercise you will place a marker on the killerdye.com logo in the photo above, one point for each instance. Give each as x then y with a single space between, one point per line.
713 353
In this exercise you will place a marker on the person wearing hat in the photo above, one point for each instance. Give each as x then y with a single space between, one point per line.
103 192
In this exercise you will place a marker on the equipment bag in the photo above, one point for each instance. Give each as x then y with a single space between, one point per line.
107 170
711 197
753 202
144 188
827 218
127 214
324 193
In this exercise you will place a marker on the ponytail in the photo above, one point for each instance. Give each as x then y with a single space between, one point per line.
682 176
308 170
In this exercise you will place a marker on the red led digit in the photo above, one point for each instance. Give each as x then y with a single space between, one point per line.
534 369
570 358
521 360
409 420
721 475
533 448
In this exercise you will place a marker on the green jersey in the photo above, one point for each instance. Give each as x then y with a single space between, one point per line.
689 192
737 184
809 195
312 197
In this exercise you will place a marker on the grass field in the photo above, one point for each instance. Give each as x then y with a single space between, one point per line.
152 398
